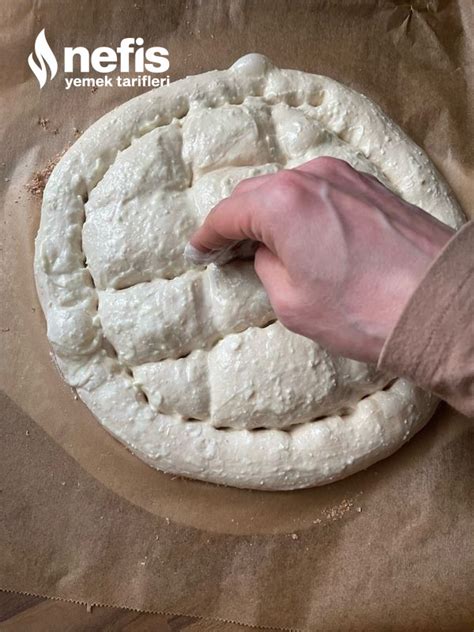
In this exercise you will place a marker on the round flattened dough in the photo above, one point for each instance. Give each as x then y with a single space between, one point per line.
187 366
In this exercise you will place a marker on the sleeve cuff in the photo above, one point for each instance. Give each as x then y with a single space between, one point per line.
433 341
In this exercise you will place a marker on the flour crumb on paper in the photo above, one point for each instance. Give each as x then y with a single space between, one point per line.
337 512
40 178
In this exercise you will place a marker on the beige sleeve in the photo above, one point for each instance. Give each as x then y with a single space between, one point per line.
432 343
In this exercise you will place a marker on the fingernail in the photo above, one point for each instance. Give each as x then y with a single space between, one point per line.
199 258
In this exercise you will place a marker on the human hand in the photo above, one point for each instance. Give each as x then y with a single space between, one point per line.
339 255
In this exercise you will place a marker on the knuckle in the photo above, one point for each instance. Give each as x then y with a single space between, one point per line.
242 186
326 161
287 187
287 180
211 215
252 183
330 166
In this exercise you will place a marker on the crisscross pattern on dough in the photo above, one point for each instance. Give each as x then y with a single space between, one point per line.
184 365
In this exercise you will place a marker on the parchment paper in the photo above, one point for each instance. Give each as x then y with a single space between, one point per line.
82 519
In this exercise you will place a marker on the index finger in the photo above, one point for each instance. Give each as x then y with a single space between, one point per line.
234 219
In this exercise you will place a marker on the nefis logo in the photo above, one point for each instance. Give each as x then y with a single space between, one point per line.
129 57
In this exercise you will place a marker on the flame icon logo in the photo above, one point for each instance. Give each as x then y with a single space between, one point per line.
46 59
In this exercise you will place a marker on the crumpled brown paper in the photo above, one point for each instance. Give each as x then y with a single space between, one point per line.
82 519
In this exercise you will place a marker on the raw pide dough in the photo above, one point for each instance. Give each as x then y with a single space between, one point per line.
187 366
